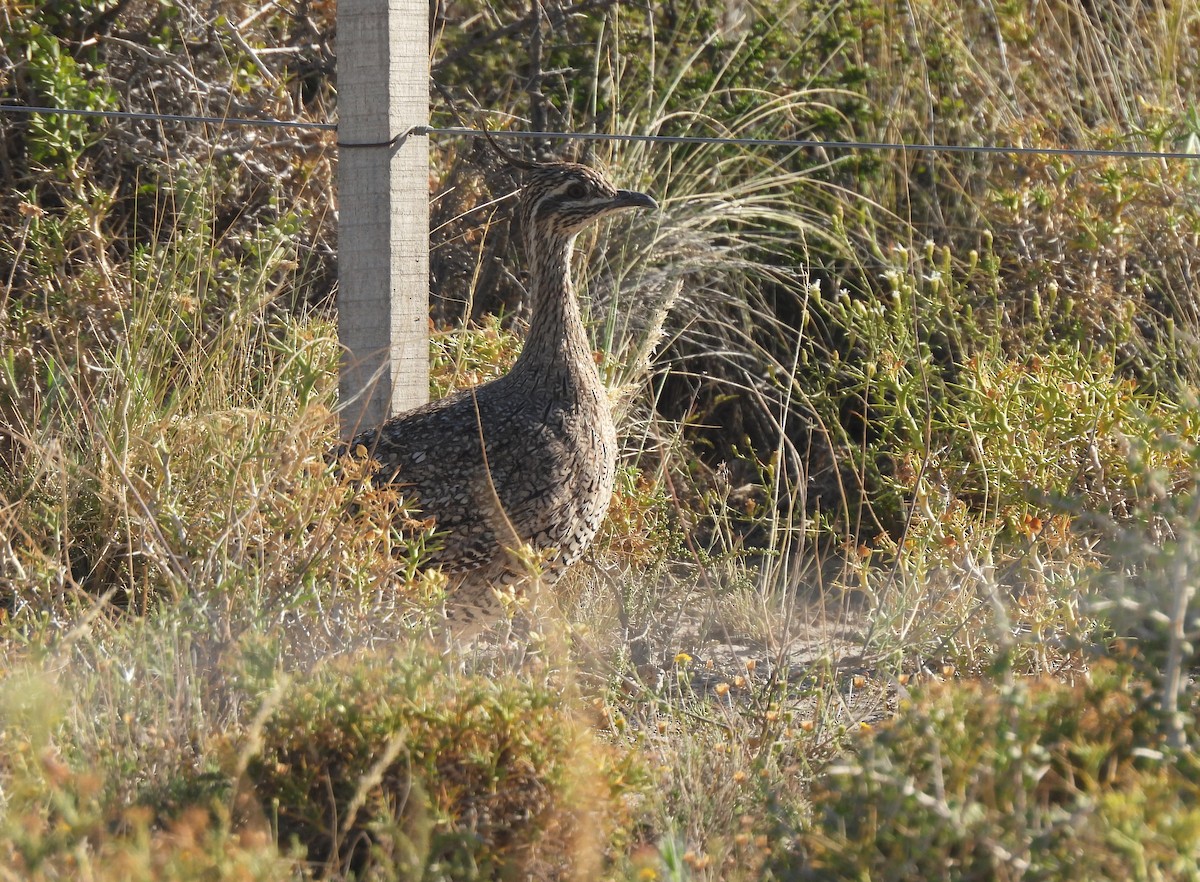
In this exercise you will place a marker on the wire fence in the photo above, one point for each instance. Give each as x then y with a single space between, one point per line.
462 131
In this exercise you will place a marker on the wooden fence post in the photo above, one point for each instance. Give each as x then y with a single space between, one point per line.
383 208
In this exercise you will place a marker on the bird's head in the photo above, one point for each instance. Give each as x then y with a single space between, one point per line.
561 198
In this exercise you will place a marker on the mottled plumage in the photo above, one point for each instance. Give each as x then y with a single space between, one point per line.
544 472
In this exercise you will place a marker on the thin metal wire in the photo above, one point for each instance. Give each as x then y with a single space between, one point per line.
265 122
807 143
461 131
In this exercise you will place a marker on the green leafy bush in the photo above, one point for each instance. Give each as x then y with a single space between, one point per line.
1037 779
391 761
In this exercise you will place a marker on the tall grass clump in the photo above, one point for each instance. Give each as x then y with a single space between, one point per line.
134 459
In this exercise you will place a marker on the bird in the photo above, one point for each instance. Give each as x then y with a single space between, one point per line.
527 460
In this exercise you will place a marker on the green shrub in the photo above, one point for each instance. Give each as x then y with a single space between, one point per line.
391 761
1034 780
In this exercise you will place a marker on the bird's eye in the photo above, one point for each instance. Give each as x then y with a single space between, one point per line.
576 191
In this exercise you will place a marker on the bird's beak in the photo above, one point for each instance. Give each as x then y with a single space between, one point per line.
633 199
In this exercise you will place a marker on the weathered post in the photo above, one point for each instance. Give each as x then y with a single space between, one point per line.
383 208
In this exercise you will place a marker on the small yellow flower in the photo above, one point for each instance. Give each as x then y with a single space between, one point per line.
682 658
647 874
751 664
722 689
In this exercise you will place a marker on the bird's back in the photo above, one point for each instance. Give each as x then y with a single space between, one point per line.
502 465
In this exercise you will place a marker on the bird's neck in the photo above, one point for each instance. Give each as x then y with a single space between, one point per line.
557 342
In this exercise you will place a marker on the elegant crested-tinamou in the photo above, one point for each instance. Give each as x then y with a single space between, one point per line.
528 459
